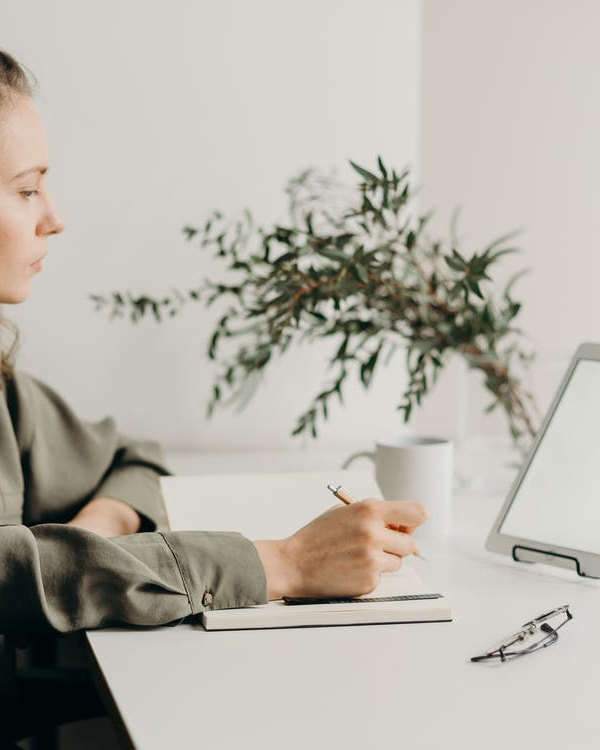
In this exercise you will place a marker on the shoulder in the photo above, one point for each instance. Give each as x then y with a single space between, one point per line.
29 390
24 396
33 404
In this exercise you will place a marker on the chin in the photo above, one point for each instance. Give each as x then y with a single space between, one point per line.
13 296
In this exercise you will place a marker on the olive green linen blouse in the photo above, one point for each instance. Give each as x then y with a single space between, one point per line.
57 578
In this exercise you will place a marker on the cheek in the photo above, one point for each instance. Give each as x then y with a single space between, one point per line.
15 253
16 236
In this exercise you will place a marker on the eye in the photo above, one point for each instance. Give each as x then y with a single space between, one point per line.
27 194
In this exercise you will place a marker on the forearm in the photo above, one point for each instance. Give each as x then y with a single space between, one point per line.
65 578
107 517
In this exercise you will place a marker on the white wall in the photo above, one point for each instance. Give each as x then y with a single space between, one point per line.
156 114
510 124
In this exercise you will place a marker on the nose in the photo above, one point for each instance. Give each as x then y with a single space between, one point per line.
51 222
57 223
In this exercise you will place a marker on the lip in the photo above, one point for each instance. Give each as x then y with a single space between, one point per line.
37 264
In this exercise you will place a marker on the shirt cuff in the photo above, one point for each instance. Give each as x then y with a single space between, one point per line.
220 570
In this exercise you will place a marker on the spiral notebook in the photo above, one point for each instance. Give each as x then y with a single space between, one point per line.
263 506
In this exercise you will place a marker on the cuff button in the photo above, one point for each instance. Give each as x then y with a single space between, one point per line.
207 599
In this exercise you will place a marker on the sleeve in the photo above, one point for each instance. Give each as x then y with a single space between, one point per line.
56 578
68 461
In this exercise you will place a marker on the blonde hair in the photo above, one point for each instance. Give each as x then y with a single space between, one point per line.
8 352
15 80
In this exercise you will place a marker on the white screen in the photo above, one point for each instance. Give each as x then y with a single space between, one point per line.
558 502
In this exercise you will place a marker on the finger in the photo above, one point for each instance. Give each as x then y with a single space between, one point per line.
403 529
398 543
406 513
390 563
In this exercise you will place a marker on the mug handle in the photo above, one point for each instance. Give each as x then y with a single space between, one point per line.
360 454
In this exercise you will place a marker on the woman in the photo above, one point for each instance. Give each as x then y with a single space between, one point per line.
67 485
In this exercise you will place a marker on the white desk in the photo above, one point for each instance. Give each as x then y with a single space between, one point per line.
368 687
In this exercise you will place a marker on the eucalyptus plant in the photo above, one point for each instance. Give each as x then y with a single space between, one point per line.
357 268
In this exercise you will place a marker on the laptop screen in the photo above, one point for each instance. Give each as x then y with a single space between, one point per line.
558 500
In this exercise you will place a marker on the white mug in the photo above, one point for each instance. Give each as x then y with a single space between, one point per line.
416 468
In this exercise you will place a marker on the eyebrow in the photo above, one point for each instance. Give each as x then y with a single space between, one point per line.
41 170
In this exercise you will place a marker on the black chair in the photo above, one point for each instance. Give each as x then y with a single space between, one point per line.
41 696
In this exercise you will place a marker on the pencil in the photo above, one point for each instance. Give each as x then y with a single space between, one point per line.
345 498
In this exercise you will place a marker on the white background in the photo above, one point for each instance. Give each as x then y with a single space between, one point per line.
509 132
158 113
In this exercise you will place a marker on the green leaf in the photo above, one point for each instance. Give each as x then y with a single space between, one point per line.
498 254
333 254
454 263
513 280
475 288
309 225
190 232
406 408
513 310
212 347
341 352
285 258
366 369
369 176
501 241
360 273
454 226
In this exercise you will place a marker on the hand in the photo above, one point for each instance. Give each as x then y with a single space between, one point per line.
107 517
343 551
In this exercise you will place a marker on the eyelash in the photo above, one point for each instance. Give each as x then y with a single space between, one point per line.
27 194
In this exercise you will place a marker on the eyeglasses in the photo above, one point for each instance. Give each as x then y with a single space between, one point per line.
534 635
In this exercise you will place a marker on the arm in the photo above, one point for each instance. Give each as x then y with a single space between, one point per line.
55 577
107 517
62 578
72 468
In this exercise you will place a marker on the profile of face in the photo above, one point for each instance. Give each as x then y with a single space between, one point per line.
27 215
